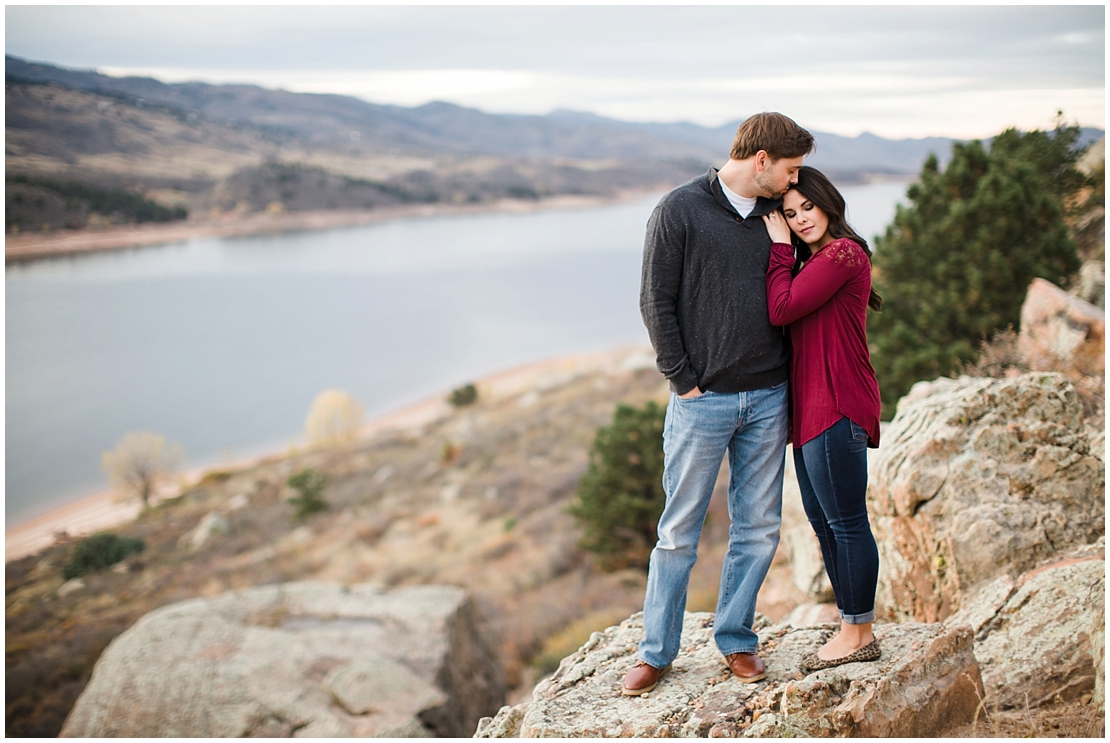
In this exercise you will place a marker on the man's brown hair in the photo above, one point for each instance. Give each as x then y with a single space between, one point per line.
775 134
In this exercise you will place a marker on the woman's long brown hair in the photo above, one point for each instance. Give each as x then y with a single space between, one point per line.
813 185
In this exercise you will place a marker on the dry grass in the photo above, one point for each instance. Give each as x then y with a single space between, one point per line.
1002 357
1077 719
567 640
489 517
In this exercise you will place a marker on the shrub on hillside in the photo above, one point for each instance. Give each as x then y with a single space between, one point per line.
463 396
620 497
309 483
334 418
98 552
954 267
140 461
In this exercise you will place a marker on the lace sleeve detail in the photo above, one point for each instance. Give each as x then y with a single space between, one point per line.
848 253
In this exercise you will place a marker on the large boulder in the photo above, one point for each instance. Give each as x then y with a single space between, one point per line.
1035 636
301 659
979 478
926 680
1060 330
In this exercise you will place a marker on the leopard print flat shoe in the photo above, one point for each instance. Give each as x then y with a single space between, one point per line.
870 651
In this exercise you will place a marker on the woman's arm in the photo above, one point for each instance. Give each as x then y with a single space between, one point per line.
791 298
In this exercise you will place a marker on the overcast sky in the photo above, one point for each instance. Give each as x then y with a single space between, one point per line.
896 71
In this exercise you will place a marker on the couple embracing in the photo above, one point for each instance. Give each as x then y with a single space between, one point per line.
731 259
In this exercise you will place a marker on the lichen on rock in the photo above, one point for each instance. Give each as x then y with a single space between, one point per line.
308 659
978 478
927 678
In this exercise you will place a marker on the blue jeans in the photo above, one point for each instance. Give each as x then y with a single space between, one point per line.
832 473
751 428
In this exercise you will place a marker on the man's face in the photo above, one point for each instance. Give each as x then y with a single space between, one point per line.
775 177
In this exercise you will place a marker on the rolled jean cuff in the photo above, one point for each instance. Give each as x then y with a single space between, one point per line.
864 618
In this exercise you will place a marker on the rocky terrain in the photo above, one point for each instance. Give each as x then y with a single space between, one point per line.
986 498
473 497
926 680
987 502
311 659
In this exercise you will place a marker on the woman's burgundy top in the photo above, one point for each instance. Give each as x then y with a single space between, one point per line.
825 306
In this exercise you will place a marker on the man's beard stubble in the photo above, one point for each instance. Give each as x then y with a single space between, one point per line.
763 181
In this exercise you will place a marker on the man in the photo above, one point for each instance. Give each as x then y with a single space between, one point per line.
703 299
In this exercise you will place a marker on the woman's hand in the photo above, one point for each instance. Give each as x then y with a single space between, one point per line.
776 227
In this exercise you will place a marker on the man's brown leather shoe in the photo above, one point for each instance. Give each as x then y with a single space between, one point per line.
747 667
641 678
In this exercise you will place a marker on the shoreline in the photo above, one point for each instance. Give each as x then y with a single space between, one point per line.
36 246
101 510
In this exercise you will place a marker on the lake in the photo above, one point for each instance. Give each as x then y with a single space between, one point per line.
222 344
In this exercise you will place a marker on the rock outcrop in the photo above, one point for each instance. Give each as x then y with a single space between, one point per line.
1062 330
976 479
303 659
1034 635
1098 645
987 503
926 680
1090 286
807 566
212 525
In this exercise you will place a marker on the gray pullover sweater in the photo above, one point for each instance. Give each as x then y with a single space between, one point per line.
703 292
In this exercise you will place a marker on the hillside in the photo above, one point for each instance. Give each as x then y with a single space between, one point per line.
474 497
206 165
217 149
223 148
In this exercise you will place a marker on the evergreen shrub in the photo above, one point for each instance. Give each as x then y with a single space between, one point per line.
954 267
98 552
463 396
309 483
620 497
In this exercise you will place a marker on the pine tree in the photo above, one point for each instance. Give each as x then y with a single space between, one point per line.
954 267
620 497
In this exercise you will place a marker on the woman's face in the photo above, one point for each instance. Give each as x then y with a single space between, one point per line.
806 220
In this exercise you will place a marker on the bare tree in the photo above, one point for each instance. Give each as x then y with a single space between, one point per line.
139 461
333 418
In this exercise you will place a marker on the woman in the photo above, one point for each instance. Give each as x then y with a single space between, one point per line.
834 393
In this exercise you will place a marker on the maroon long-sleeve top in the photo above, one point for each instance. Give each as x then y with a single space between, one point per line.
825 306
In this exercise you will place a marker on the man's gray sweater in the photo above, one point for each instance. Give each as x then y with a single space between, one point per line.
703 294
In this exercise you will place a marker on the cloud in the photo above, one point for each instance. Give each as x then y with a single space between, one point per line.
400 87
905 71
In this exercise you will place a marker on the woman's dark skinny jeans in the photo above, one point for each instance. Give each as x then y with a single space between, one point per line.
832 473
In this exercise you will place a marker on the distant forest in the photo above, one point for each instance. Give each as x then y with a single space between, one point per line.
32 203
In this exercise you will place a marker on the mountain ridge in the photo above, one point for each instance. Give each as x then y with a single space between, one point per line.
213 148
